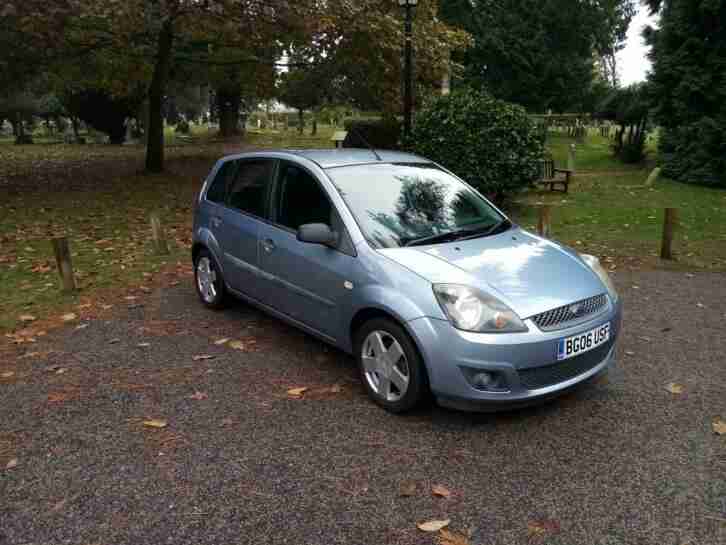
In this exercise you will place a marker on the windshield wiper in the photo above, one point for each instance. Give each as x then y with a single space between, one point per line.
449 236
498 227
460 234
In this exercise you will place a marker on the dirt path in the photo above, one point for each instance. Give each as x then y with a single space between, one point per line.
618 462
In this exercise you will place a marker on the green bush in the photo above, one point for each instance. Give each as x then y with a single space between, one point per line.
695 153
380 134
490 143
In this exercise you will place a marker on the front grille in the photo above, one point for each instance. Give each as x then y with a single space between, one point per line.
547 375
571 314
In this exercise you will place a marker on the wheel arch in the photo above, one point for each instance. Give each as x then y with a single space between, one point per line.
366 314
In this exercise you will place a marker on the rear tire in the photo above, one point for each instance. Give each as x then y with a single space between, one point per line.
390 366
209 281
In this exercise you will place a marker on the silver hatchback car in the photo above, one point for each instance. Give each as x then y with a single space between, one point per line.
395 260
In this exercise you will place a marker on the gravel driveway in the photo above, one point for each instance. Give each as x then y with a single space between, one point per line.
622 461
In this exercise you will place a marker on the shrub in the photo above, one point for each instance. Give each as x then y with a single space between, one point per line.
490 143
381 134
182 127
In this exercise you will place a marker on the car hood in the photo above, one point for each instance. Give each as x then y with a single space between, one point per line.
529 273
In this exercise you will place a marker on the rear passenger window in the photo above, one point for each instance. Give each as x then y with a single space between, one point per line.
217 192
248 192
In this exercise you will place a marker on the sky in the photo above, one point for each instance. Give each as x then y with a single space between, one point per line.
632 62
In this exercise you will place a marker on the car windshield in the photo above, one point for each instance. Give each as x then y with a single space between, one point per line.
407 204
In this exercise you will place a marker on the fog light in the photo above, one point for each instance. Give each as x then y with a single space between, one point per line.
491 381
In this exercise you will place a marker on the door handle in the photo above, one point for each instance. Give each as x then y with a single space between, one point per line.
268 245
216 221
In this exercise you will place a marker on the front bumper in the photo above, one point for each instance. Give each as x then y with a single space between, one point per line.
517 357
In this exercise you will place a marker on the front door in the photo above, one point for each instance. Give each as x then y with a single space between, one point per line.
308 281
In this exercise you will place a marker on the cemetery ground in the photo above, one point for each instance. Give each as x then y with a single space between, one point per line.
131 414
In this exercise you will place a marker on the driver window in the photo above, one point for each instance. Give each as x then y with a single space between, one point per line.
300 199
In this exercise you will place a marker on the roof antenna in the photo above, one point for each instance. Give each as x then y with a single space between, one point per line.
368 145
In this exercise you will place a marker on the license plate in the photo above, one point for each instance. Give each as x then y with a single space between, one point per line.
570 347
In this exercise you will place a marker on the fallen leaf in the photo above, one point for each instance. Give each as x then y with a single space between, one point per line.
674 388
537 528
114 341
27 318
221 341
719 427
440 490
452 538
237 345
155 423
199 396
82 326
407 489
12 463
143 345
629 353
297 392
7 374
201 357
433 525
57 397
69 317
226 421
61 370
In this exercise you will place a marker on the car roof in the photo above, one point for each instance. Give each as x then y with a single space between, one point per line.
339 157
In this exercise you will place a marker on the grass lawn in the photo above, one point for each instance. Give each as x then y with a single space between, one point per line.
610 213
95 195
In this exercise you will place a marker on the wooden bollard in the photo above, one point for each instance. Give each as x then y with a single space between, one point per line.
571 158
670 222
65 265
158 236
544 225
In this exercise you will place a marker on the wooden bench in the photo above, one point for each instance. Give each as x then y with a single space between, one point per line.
552 177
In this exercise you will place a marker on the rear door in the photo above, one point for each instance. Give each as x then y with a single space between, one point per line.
307 281
238 225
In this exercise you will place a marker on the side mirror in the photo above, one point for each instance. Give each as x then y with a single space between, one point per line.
316 233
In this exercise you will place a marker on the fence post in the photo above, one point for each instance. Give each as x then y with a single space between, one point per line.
544 225
571 157
158 236
670 222
653 177
63 262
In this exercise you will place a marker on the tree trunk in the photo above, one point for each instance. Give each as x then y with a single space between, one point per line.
155 137
228 106
314 130
300 121
74 124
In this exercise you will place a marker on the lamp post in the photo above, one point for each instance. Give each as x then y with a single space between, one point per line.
408 5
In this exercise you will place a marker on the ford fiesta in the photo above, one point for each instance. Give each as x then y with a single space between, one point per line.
394 259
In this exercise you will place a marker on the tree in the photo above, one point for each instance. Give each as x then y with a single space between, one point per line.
628 107
689 88
361 44
160 34
539 53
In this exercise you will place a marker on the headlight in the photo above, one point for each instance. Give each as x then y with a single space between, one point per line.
473 310
594 263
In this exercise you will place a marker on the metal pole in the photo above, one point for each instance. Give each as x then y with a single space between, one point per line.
408 76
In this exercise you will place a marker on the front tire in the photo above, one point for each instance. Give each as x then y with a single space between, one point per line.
209 281
391 368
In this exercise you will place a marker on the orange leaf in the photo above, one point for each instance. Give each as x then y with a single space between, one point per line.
441 491
433 525
452 538
297 392
57 397
719 427
155 423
